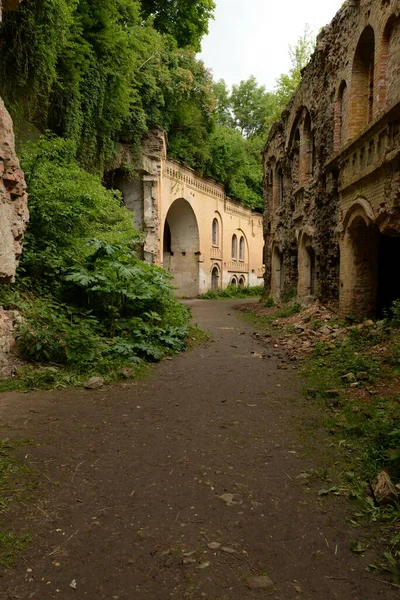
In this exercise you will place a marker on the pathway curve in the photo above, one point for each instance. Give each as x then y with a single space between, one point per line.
181 486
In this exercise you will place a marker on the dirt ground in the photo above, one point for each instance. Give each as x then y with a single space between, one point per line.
143 480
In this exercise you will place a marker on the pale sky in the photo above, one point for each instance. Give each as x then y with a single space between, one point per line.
251 37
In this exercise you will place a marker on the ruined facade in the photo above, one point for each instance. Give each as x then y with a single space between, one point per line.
192 229
13 197
332 168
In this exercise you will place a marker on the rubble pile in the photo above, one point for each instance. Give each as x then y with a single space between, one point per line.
303 331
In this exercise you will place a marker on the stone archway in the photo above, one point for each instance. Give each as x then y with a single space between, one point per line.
181 248
359 267
369 259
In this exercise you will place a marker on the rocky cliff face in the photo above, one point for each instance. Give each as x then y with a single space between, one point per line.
13 198
13 219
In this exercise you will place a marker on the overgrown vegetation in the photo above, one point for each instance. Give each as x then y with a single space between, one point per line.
355 382
87 299
93 74
233 291
99 73
16 482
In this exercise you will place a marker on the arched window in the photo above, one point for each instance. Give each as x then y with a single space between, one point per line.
234 247
296 160
167 238
233 281
341 116
362 84
270 188
215 232
279 185
306 151
389 68
241 248
242 282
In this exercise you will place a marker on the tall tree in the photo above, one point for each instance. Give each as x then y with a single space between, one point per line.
223 107
251 104
287 83
186 20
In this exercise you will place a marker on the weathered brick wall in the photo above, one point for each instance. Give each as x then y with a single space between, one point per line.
342 127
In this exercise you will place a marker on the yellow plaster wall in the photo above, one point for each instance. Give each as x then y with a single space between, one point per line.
208 201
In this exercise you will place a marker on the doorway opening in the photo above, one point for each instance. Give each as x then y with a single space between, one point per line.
388 273
215 279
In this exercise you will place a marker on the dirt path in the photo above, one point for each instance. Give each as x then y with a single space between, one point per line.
134 476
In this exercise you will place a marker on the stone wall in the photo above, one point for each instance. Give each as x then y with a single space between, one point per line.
332 161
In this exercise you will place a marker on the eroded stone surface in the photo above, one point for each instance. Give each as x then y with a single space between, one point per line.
13 200
7 342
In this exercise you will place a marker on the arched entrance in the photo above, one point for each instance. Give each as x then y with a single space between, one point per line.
388 272
359 268
233 282
181 248
369 264
215 279
242 281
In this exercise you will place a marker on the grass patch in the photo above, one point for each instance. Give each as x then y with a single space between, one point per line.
197 336
233 292
364 422
10 546
364 425
29 378
266 321
17 480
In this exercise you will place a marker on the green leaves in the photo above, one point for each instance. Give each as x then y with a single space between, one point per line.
251 105
357 547
96 72
92 302
186 20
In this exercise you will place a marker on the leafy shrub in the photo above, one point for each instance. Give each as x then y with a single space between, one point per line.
233 292
289 295
92 303
68 207
288 311
395 310
269 302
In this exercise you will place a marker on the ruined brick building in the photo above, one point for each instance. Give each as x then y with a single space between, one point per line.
332 168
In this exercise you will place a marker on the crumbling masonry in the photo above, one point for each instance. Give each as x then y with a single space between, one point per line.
332 168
